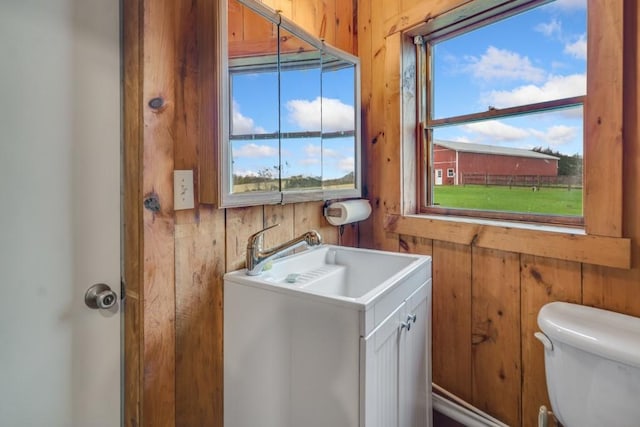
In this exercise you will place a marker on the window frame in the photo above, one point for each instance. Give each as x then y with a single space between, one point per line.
601 241
443 29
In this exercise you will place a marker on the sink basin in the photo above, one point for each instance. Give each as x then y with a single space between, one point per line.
337 274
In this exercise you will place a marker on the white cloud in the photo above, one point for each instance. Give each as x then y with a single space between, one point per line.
309 161
572 113
336 116
577 49
305 114
503 64
346 164
496 131
312 150
556 135
243 125
328 152
550 29
338 161
556 87
255 150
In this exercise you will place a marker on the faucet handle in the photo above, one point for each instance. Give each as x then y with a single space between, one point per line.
256 238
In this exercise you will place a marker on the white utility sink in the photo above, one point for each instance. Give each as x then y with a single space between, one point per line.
307 341
345 274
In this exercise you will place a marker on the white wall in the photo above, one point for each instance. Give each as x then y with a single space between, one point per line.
59 89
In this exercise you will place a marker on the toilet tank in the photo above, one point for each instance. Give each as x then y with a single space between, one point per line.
592 364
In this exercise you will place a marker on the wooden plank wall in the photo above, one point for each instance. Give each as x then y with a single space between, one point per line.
485 301
175 261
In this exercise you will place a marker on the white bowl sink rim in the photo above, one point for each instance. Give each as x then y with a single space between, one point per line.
330 272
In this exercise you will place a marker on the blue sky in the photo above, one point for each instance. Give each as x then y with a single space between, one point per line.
255 111
535 56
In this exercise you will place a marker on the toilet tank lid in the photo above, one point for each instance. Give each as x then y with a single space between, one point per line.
611 335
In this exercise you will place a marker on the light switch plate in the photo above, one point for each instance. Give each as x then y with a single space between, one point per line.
182 189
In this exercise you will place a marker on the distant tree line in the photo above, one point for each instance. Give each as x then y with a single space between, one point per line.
567 165
296 181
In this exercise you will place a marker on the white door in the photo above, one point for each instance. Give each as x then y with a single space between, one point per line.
438 176
59 212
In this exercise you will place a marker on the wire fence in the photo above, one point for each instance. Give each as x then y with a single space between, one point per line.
533 181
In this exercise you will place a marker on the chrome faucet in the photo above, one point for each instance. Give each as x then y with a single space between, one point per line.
257 257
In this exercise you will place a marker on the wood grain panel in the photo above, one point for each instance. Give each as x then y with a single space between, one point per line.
375 126
495 312
383 145
345 21
305 14
409 4
208 74
348 235
364 35
199 269
132 209
278 214
416 245
235 21
607 288
390 197
612 289
158 297
240 224
599 250
603 120
451 323
199 242
256 28
187 99
418 12
391 10
326 20
309 216
543 280
285 7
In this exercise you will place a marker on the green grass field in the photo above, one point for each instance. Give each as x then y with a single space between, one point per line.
554 201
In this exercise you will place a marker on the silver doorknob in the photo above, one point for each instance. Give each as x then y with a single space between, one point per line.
100 296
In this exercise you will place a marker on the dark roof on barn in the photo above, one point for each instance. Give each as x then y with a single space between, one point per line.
468 147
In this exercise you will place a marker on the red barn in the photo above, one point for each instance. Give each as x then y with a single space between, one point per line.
453 161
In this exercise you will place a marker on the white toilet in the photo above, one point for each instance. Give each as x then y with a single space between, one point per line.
592 363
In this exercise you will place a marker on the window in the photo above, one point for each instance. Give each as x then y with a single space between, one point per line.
290 111
502 110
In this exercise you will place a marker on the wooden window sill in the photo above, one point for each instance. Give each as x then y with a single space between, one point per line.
546 241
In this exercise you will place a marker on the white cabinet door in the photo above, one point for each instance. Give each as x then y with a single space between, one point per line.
415 366
396 369
381 352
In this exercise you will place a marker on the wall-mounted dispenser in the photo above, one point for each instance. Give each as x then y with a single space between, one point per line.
348 211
